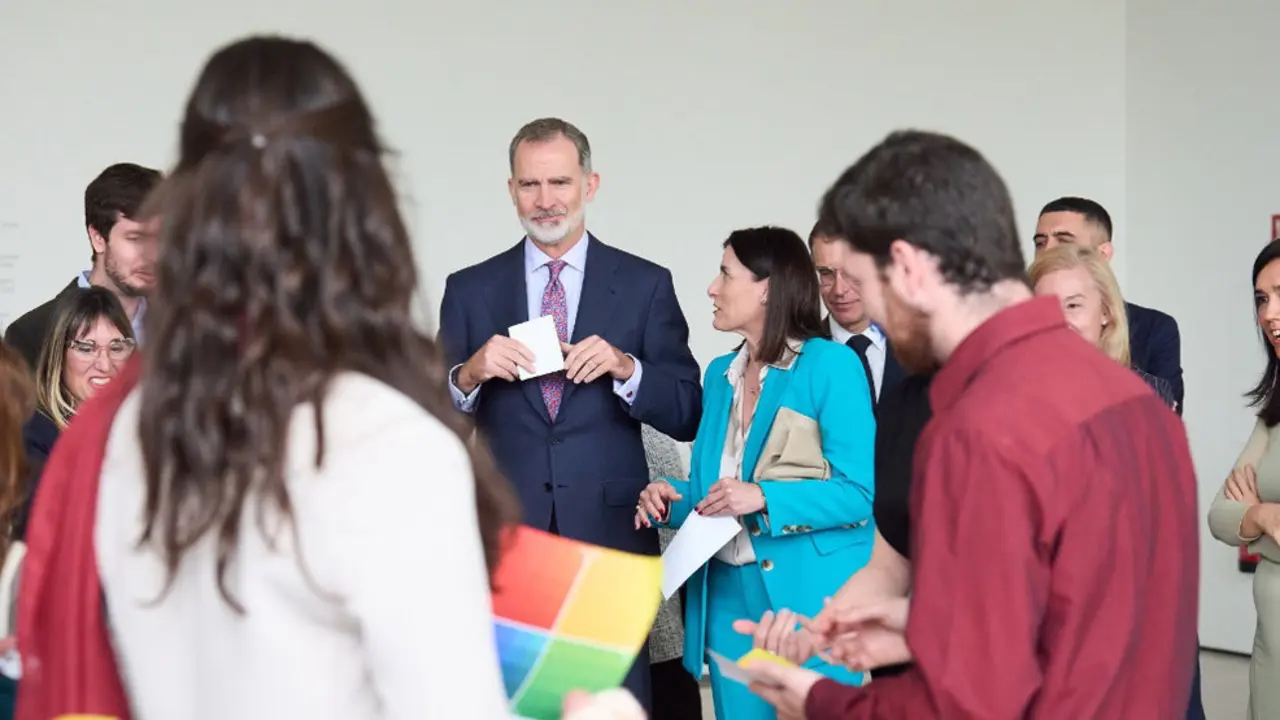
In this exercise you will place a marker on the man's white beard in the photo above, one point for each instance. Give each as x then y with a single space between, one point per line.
552 234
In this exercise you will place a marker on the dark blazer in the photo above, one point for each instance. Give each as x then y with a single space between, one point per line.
590 463
28 332
893 370
38 436
1155 347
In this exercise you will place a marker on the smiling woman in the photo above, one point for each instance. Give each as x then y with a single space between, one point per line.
1082 280
90 342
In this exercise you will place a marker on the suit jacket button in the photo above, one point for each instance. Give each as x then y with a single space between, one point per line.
755 530
546 487
766 565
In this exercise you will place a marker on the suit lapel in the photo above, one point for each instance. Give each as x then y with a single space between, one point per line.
599 292
598 300
893 371
509 301
718 404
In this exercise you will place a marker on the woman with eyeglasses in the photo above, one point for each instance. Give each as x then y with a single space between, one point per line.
90 341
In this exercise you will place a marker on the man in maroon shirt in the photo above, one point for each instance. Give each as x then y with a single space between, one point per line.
1055 552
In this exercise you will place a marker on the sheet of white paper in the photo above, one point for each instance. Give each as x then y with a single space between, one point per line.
539 335
698 539
730 669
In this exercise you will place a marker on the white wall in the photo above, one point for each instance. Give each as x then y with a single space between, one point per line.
704 118
1202 155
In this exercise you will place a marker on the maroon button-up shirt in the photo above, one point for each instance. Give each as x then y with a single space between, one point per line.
1055 551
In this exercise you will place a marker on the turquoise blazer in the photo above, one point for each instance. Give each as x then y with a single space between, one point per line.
817 532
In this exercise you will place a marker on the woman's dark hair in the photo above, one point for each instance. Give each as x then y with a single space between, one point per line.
793 311
284 261
76 317
1264 396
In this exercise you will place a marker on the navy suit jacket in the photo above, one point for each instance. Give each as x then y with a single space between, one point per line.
894 373
589 464
1155 347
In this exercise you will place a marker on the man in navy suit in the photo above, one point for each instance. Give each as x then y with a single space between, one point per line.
847 319
570 442
1154 343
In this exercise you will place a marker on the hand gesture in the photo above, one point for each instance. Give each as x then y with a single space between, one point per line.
1242 485
871 636
890 614
591 358
1261 519
501 357
655 502
783 634
730 497
785 688
865 650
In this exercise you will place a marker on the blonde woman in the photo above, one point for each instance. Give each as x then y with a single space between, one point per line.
1091 300
90 341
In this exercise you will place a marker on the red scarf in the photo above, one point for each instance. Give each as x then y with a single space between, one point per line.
68 665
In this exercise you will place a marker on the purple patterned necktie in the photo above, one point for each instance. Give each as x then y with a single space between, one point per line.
555 305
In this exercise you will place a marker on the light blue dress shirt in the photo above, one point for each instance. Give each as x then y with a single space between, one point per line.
537 275
83 281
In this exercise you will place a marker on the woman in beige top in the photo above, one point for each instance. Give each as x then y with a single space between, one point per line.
1247 509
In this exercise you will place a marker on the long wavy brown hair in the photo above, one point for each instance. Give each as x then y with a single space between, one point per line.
284 261
17 403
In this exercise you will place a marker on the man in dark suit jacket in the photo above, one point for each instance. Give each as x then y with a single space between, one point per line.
1154 344
123 255
847 319
571 442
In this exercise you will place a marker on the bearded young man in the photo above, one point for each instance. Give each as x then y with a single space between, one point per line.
123 255
570 441
1055 549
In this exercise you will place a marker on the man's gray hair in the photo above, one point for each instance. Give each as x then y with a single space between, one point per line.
545 129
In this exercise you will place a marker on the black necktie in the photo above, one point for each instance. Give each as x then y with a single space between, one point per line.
860 343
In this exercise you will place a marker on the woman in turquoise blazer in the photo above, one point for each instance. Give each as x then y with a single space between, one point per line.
786 446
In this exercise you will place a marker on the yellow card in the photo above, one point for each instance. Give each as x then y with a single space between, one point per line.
761 654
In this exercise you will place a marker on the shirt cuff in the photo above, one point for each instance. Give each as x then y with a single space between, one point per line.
464 403
627 390
828 699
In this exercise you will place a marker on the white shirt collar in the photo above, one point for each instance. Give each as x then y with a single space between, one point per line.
576 257
739 364
873 333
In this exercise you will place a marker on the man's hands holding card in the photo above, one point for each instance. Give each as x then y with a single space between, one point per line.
529 350
501 357
591 358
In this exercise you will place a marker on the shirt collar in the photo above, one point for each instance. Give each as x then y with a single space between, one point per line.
575 258
988 341
739 364
82 281
872 333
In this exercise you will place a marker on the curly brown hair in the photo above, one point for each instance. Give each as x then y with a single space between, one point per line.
284 261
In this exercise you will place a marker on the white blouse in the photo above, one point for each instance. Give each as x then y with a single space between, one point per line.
389 620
